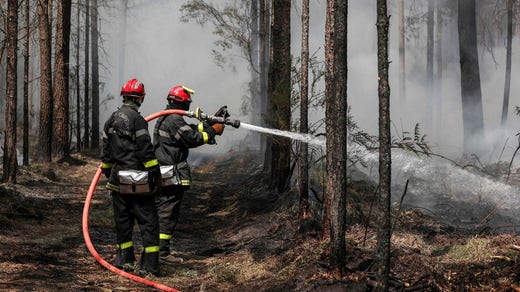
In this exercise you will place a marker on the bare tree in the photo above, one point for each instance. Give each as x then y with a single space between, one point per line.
95 75
26 84
61 81
10 163
77 71
303 173
507 85
86 103
265 37
402 63
385 160
429 66
279 90
472 113
46 102
336 125
122 42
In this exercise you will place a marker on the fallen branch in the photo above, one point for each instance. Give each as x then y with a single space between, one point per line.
502 258
493 211
515 247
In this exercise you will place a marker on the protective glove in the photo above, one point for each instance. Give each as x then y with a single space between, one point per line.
219 128
106 171
154 176
222 112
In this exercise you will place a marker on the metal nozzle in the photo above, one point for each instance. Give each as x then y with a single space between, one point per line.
233 123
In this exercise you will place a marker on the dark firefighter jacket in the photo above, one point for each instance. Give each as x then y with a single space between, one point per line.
172 138
126 144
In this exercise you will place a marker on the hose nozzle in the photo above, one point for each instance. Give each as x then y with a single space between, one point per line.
233 123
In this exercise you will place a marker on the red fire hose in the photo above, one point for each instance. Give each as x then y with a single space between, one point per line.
86 234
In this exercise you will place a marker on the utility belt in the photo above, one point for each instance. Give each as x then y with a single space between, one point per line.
133 182
176 174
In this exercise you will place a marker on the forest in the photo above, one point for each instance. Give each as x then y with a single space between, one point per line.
374 149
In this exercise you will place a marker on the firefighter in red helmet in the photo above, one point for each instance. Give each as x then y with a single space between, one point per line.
129 164
173 137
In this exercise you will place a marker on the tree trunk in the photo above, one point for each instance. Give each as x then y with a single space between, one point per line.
428 123
303 173
122 43
10 163
46 102
336 125
78 87
86 103
61 81
254 85
438 78
95 76
26 85
472 113
265 51
385 160
280 92
402 67
507 85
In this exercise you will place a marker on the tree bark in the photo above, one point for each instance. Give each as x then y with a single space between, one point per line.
264 23
78 85
122 43
385 160
46 102
303 173
280 92
428 126
438 77
402 63
95 76
86 103
507 85
336 128
26 85
254 85
472 113
61 81
10 164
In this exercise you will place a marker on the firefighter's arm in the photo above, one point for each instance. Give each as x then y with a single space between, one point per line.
195 135
106 159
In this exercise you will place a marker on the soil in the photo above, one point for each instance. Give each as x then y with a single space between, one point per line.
235 235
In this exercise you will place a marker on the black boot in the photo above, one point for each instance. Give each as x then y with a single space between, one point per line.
125 258
165 256
149 263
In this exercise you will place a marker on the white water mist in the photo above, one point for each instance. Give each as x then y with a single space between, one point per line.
456 196
307 138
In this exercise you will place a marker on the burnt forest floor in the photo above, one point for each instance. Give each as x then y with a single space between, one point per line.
234 235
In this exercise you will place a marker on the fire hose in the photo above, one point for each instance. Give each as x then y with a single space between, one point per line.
86 235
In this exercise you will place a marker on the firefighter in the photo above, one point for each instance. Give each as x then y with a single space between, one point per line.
127 152
173 137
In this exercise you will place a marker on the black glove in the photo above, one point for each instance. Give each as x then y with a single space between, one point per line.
106 171
154 176
222 112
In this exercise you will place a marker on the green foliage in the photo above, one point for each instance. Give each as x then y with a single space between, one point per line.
415 143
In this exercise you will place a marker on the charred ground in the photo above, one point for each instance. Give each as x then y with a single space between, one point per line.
235 235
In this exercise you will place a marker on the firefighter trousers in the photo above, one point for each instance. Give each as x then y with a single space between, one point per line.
141 208
168 207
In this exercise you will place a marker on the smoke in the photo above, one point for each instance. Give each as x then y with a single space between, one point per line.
162 52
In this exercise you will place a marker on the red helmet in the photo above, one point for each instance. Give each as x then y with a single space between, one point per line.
133 88
180 93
